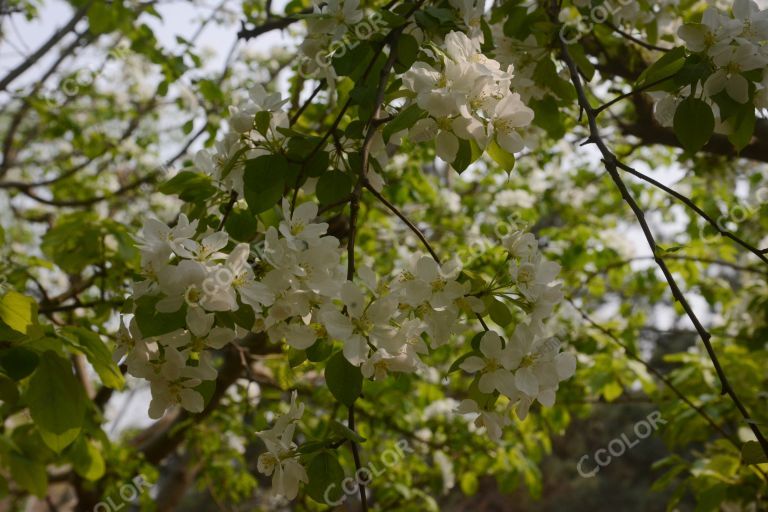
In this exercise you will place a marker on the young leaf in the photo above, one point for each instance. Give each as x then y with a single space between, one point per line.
325 476
694 124
752 453
264 180
344 380
669 64
100 357
333 186
18 362
56 400
18 311
501 156
500 313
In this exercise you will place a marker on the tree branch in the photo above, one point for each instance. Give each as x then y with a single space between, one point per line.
45 48
611 163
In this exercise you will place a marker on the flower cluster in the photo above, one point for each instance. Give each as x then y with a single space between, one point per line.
299 296
529 366
467 96
255 130
295 290
736 44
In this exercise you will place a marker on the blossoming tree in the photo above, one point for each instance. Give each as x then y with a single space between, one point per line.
457 227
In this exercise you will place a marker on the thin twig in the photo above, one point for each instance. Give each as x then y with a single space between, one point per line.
620 97
690 204
635 40
416 231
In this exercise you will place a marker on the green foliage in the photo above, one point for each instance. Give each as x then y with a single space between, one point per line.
265 179
694 123
344 381
56 401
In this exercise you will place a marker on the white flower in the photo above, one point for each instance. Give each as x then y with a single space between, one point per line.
535 276
242 280
335 16
297 334
509 115
732 62
382 362
490 420
540 366
206 250
433 283
471 13
280 459
298 225
126 339
157 240
183 283
227 149
521 245
712 35
753 21
494 366
264 101
363 323
166 394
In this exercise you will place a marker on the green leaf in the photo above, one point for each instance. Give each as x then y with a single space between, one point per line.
515 25
153 323
29 474
18 311
501 156
668 65
333 186
407 51
752 453
500 313
694 124
319 351
403 120
343 379
102 18
548 116
265 179
242 225
316 165
742 127
18 362
469 484
345 432
262 120
56 400
612 391
546 74
468 152
475 342
695 69
100 357
346 62
87 459
74 242
9 392
325 476
190 186
57 442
